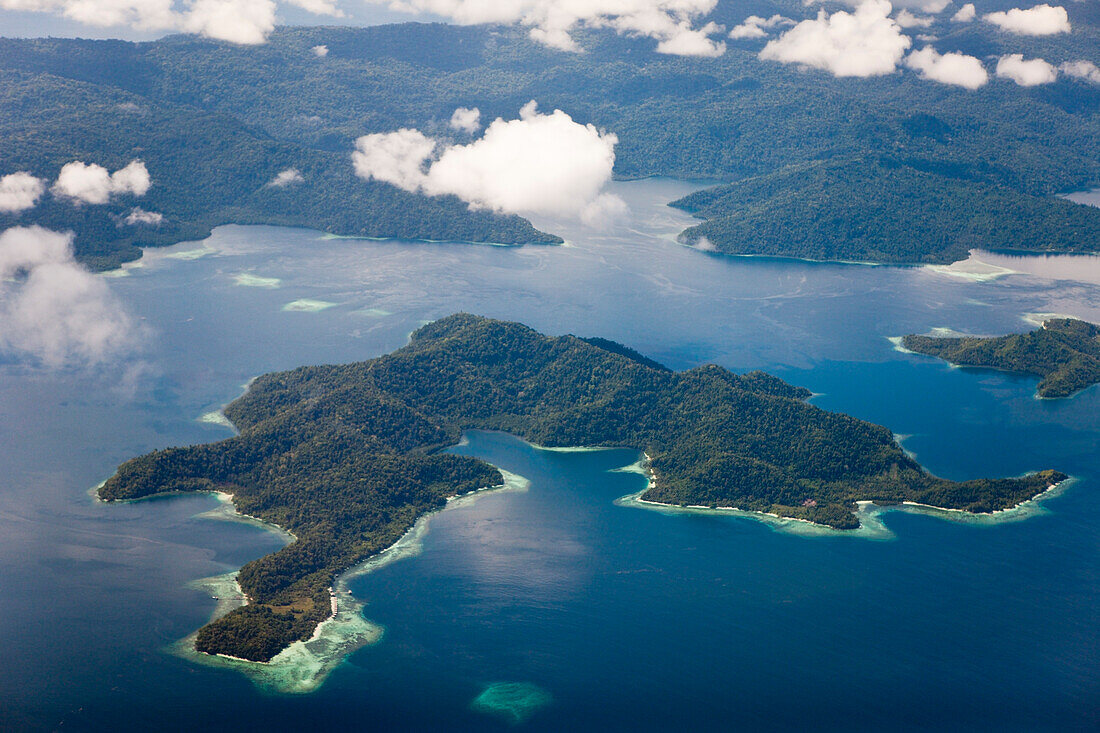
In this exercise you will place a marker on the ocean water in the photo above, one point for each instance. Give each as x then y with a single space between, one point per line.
553 608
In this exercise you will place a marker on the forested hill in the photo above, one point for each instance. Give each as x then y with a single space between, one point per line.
1065 353
894 168
345 457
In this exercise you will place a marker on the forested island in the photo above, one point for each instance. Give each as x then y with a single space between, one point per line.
885 169
348 457
1064 352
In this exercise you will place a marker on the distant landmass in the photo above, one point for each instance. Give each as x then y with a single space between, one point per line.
1064 352
347 457
890 169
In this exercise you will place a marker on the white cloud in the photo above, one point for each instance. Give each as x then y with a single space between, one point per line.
286 178
755 26
466 120
1040 20
965 14
19 191
319 7
92 184
1082 70
948 68
1029 73
933 6
245 22
320 51
394 157
906 19
671 22
141 216
53 309
867 42
236 21
539 164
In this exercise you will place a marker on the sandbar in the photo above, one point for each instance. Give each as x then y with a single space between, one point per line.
307 305
248 280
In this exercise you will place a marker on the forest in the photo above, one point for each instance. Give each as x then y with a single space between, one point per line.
890 169
1064 352
347 457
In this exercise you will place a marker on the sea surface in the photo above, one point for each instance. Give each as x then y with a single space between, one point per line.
553 608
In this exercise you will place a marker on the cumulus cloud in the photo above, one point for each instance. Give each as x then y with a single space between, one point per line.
1029 73
932 6
320 51
19 191
949 68
319 7
906 19
286 178
1082 70
245 22
965 14
236 21
539 164
1040 20
394 157
466 120
673 23
141 216
756 27
867 42
53 309
93 184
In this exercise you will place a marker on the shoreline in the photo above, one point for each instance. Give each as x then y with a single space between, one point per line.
303 666
871 525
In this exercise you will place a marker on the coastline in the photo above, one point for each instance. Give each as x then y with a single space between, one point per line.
871 525
304 665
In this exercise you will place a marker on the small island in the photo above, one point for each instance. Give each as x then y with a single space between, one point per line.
348 457
1064 352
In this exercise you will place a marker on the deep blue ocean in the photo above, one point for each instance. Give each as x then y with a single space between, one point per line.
606 617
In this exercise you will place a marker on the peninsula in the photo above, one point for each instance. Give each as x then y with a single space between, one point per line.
348 457
1064 352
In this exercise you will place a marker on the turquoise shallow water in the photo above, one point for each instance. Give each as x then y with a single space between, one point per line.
610 617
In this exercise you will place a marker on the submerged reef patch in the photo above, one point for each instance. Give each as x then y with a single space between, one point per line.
515 702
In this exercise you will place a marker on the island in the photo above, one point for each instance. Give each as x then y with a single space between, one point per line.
1064 352
803 165
348 457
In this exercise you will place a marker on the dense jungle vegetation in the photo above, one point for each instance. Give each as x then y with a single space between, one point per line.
1065 353
346 457
893 168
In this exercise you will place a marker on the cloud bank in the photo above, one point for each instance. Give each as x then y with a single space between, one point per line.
948 68
539 164
53 309
672 23
236 21
866 42
1029 73
20 191
93 184
1040 20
